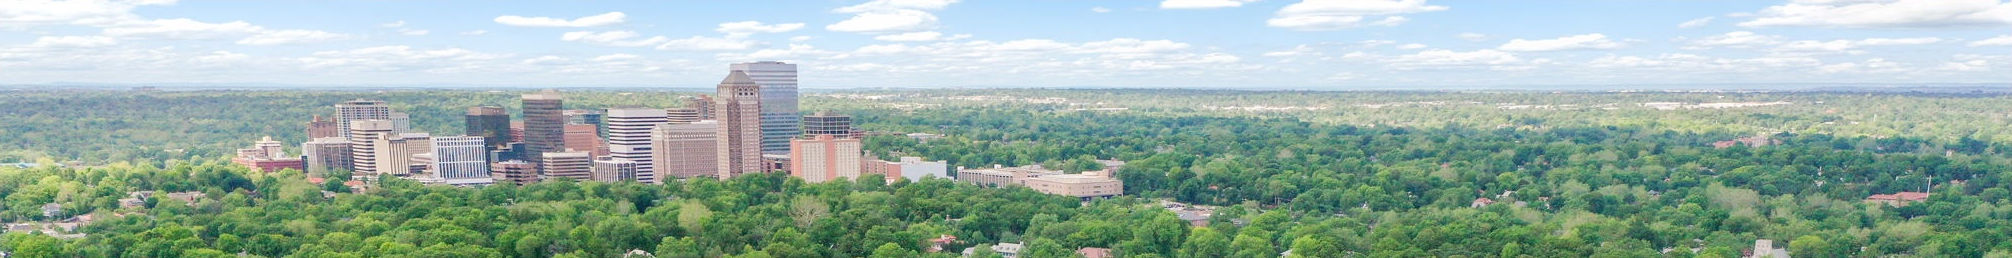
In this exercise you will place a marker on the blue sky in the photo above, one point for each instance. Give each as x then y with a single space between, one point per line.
1321 44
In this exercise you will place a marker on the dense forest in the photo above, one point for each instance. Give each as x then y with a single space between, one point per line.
1319 174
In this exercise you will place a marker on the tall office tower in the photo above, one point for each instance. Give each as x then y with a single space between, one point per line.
584 137
822 123
779 118
703 104
401 122
544 124
610 169
685 150
395 152
683 115
326 154
514 172
363 149
517 131
322 128
824 158
588 117
490 123
629 137
461 160
740 125
360 109
578 165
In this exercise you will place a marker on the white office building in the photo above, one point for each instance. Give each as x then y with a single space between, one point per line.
629 137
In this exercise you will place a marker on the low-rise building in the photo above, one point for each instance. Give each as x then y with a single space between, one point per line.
912 168
1898 199
1088 185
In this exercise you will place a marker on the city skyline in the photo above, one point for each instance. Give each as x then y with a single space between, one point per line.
1320 45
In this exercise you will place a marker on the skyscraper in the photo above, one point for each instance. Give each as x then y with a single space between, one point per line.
683 115
578 165
823 158
490 123
514 172
360 109
740 125
702 104
321 128
461 160
376 149
584 137
608 169
822 123
629 137
779 118
544 124
326 154
685 150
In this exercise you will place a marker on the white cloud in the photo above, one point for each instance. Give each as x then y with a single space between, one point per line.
921 36
474 32
546 60
701 43
605 19
1736 39
1449 58
413 32
73 41
284 37
612 38
886 21
1301 50
183 29
794 51
1470 36
887 16
24 13
1875 65
1885 14
883 5
2005 40
1100 9
1130 45
393 24
1694 23
616 57
1377 42
389 58
1411 46
745 28
1691 63
1574 42
1343 14
1848 46
1202 4
799 38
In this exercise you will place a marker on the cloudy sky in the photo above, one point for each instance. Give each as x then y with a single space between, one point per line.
1311 44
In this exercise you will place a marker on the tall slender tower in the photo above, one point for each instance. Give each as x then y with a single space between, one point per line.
359 109
629 137
544 124
780 120
490 123
740 125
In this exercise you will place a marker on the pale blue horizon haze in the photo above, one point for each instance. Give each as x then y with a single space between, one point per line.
1268 44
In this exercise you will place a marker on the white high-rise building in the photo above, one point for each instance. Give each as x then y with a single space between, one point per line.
780 121
461 160
629 137
347 112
